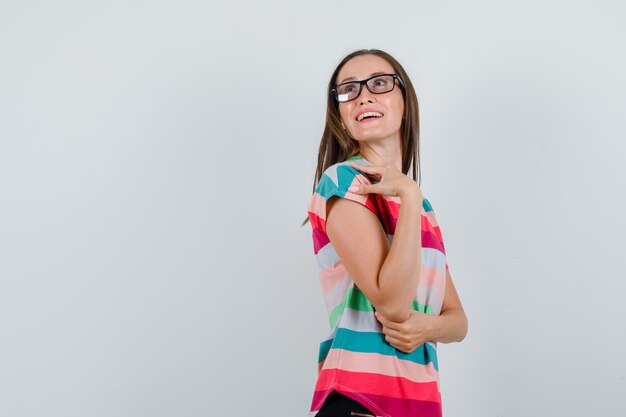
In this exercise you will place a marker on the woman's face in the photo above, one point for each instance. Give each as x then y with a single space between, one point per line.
390 105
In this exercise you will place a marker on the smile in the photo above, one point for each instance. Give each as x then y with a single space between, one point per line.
368 115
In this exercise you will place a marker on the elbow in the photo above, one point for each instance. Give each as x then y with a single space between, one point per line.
393 304
463 329
394 311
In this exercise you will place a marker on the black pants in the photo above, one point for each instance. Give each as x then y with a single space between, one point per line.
338 405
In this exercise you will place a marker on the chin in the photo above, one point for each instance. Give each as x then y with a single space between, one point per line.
372 136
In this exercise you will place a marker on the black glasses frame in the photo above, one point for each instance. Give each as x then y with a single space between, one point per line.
335 94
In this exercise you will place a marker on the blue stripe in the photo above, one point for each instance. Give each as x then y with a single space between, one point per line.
345 177
324 349
369 342
426 205
326 187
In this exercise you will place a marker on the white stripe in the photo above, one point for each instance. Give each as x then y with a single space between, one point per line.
331 172
433 258
327 256
360 321
429 296
337 294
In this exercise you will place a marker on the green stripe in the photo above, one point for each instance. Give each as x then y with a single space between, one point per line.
336 313
356 300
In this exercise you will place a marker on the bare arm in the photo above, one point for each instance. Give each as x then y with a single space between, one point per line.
449 326
386 274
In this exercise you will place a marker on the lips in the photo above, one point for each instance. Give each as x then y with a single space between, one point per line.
368 115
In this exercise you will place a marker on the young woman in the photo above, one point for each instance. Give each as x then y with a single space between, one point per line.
384 275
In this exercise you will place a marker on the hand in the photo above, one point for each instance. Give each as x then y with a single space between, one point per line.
390 182
408 335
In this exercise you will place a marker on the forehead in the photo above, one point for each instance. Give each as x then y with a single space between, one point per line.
363 66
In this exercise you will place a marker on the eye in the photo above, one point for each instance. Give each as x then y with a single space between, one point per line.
380 84
347 88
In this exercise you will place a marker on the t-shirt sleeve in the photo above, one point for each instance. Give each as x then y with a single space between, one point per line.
335 182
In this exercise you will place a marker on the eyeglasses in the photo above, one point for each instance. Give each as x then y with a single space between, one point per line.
378 84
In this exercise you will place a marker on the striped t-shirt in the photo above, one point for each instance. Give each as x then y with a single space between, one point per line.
355 360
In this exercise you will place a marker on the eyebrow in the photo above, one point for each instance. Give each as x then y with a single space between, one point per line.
354 78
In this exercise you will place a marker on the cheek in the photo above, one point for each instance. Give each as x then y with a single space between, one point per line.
343 114
400 111
399 103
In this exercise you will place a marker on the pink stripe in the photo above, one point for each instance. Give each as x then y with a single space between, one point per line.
399 407
320 239
381 364
330 277
372 383
316 221
432 277
383 406
427 225
393 204
317 205
438 233
318 399
433 219
364 199
431 240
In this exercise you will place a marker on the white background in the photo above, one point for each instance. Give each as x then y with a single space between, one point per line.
157 157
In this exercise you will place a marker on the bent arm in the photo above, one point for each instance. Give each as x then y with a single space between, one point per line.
387 274
449 326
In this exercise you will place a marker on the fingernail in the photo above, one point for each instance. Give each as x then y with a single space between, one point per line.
353 188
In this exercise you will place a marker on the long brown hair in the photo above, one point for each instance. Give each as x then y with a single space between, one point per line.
337 146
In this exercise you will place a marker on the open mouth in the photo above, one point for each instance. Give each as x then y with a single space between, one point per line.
369 115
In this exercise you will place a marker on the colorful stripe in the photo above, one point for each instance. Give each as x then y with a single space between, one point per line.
385 406
378 384
382 364
368 342
355 359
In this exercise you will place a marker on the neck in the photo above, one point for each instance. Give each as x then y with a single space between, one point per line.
387 152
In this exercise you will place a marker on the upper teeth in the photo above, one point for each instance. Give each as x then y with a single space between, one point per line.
368 114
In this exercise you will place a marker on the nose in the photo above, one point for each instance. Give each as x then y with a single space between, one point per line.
366 96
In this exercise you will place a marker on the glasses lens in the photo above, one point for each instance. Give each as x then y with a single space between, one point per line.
381 84
347 91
